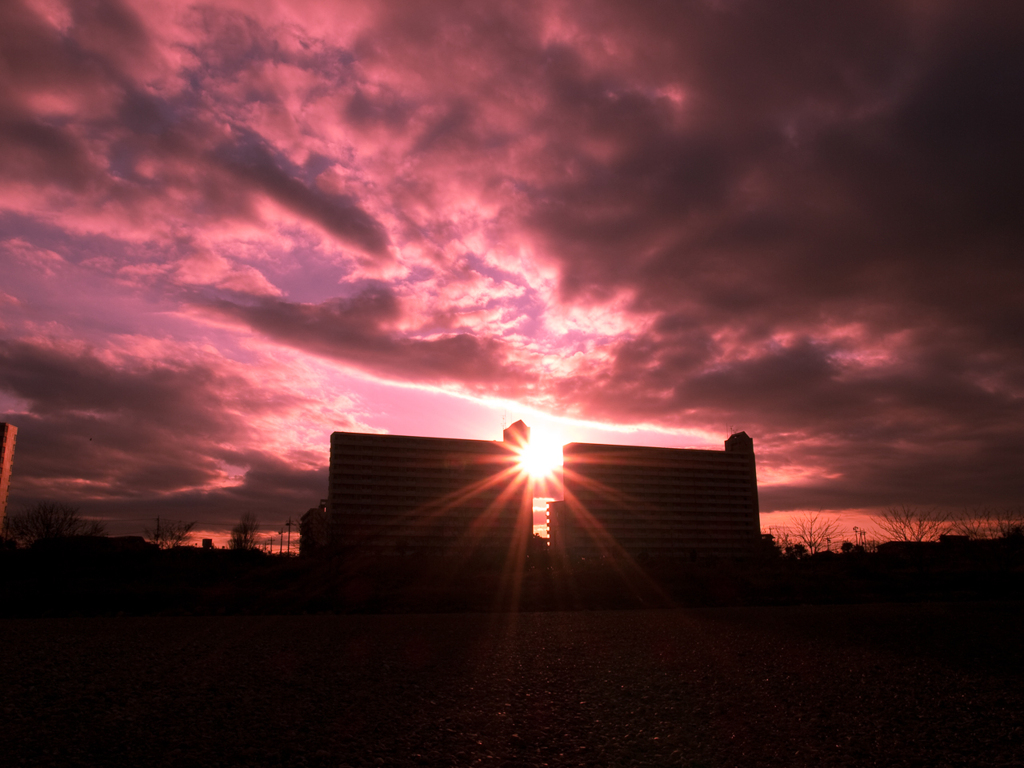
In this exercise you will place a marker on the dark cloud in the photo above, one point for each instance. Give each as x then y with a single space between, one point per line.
37 58
34 59
360 331
102 64
927 427
831 168
369 112
112 31
272 490
34 152
808 151
148 435
339 215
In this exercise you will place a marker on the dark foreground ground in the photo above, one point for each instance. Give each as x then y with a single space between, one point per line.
861 685
67 579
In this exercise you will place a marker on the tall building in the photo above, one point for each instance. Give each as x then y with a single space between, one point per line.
401 494
663 502
8 436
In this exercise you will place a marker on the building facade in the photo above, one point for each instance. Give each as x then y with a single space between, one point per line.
397 494
8 436
661 502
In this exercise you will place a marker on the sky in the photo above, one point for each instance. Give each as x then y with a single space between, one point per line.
228 229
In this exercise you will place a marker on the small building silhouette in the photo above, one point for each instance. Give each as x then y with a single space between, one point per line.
314 529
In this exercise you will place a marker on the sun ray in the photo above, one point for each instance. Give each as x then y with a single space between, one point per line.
541 457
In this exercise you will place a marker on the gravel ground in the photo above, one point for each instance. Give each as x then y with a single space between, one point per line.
893 685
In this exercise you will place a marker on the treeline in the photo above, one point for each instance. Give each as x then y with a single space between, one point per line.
79 576
812 532
806 534
66 566
48 521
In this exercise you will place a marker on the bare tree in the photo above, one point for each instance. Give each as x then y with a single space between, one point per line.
907 523
51 520
781 536
1010 523
816 531
167 533
245 534
974 523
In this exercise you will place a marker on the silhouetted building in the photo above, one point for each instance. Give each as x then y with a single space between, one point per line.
8 436
662 502
398 494
314 529
517 435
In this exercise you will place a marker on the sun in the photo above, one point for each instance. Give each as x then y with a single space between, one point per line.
542 456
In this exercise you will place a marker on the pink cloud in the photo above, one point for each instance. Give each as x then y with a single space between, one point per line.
795 221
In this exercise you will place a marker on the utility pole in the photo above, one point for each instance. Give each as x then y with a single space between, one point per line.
280 544
289 524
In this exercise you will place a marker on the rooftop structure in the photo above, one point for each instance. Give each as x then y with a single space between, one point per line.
661 502
8 436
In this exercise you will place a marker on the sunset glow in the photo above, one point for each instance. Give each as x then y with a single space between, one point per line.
227 230
542 457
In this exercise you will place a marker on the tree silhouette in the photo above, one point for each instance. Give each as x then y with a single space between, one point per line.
51 520
976 523
907 523
781 538
1010 523
815 530
245 534
167 533
796 551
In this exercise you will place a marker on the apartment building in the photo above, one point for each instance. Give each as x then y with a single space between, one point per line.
398 494
658 502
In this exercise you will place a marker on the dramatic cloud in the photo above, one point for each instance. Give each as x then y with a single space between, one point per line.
128 430
799 219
